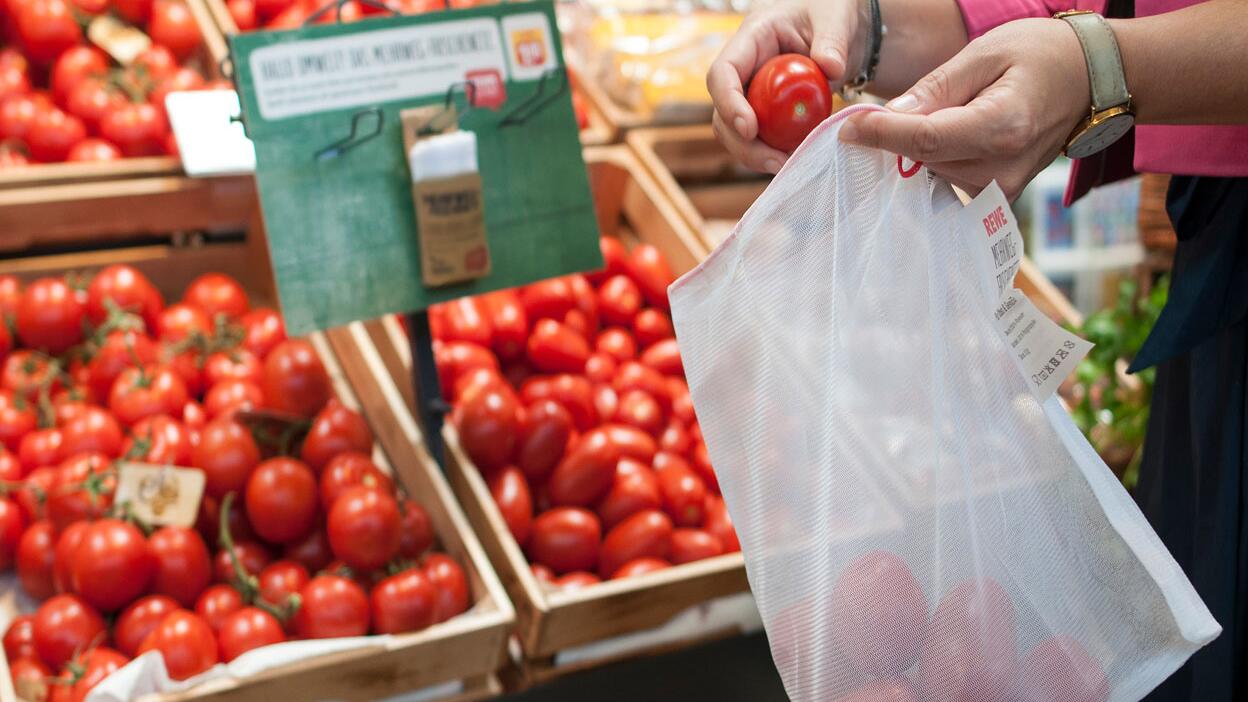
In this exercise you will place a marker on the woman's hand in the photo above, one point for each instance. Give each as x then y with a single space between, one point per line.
1002 108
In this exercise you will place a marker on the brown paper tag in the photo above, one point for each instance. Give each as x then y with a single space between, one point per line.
450 212
121 41
162 495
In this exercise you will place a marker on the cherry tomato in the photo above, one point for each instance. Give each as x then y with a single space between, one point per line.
554 348
138 129
252 557
19 638
92 149
127 289
363 527
403 602
790 96
120 350
891 690
331 606
634 376
216 603
282 499
684 493
640 566
83 489
232 395
177 322
335 429
1058 668
247 629
94 430
136 11
158 439
215 293
566 539
30 678
185 641
226 453
96 664
489 426
263 330
313 551
47 28
587 472
586 302
508 322
635 488
450 583
49 316
36 559
574 392
511 494
72 66
243 12
183 568
347 470
651 326
14 80
27 373
544 436
646 534
145 391
690 545
140 619
172 25
720 524
63 625
41 447
89 101
295 381
17 418
456 358
66 545
550 298
112 565
415 529
969 651
281 579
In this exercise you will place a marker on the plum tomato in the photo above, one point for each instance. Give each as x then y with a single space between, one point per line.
635 489
646 534
511 494
968 653
488 420
566 539
640 566
879 612
543 438
1059 668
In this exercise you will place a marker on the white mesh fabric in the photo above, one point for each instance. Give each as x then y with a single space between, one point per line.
916 526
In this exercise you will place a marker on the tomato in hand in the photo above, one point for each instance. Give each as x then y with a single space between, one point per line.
36 558
93 150
49 316
635 488
508 322
46 28
83 489
450 583
969 651
282 500
347 470
790 96
331 606
415 529
216 603
646 534
263 330
247 629
140 619
543 438
511 494
295 380
183 568
587 472
96 664
232 395
488 422
651 326
19 638
335 429
186 643
281 579
1059 668
566 539
112 565
92 430
145 391
64 625
252 558
172 25
403 602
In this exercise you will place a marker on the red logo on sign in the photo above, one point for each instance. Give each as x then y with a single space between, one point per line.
488 88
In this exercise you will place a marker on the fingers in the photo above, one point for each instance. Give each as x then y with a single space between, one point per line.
752 153
949 135
833 24
741 56
953 84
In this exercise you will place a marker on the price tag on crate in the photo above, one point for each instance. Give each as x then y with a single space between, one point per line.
161 495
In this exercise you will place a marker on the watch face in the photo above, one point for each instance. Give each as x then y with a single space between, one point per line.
1099 135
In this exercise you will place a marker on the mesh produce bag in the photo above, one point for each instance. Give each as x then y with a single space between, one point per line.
916 523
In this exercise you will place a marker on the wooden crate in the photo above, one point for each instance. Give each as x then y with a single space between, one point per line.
467 648
630 206
711 193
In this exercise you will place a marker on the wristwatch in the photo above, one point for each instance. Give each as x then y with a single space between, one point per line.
1112 115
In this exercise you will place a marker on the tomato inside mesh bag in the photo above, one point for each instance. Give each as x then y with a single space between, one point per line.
916 524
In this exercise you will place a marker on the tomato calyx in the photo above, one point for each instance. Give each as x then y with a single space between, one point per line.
247 584
280 432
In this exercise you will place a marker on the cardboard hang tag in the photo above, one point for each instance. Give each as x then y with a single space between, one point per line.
160 495
122 41
450 206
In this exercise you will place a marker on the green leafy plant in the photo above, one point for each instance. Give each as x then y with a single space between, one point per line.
1110 406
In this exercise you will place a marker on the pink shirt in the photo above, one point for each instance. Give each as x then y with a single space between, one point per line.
1181 150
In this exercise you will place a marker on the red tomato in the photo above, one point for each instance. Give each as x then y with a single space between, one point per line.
630 441
63 558
893 690
335 429
586 303
619 300
185 641
542 573
586 474
146 391
30 678
616 343
41 447
140 619
194 419
247 629
12 524
19 638
112 565
614 259
675 438
13 80
232 395
10 466
17 418
89 101
550 298
235 364
573 392
158 439
83 489
511 494
576 322
634 376
347 470
790 96
664 357
46 28
646 534
690 545
640 566
120 350
332 606
450 583
600 367
183 568
268 9
635 488
295 381
684 494
880 614
281 579
63 626
252 557
576 580
216 603
638 409
403 602
89 150
509 323
363 527
136 11
282 500
415 529
27 373
566 539
467 319
969 652
243 12
488 421
477 376
544 436
555 348
226 453
94 430
313 551
651 326
36 557
96 664
456 358
720 524
215 293
72 66
172 25
1058 668
49 316
17 115
138 129
648 268
178 321
264 330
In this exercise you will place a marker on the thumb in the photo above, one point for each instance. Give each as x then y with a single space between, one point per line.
953 84
830 35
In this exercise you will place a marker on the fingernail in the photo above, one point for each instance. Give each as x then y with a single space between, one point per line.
904 103
739 125
849 132
772 166
834 55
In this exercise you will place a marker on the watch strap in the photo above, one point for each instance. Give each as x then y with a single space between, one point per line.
1106 76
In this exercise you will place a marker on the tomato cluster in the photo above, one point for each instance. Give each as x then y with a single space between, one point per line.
569 396
288 14
299 533
64 99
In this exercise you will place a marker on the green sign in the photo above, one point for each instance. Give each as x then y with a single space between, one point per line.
338 208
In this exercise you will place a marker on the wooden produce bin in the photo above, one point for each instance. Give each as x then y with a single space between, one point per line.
460 655
551 623
711 193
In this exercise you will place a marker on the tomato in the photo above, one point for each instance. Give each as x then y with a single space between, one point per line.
226 453
236 364
83 489
1058 668
178 321
893 690
183 568
456 358
172 25
450 583
12 524
544 435
720 524
127 289
646 534
72 66
489 426
638 409
216 603
120 350
63 625
363 527
263 330
690 545
46 28
616 343
139 619
651 326
268 9
89 100
790 96
566 539
281 579
295 381
97 664
415 529
550 298
403 602
41 447
94 430
587 472
17 418
19 638
247 629
30 678
969 652
215 293
555 348
474 377
26 373
232 395
664 357
511 494
880 614
331 606
49 316
634 376
89 150
675 438
63 557
313 551
17 115
684 493
614 259
508 322
542 573
112 564
281 500
619 300
630 441
634 488
158 439
467 319
600 368
12 156
243 12
252 557
186 643
702 464
10 466
347 470
137 128
136 11
335 429
194 418
144 391
574 392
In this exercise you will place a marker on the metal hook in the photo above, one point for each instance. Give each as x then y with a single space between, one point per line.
435 124
351 141
536 103
337 7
